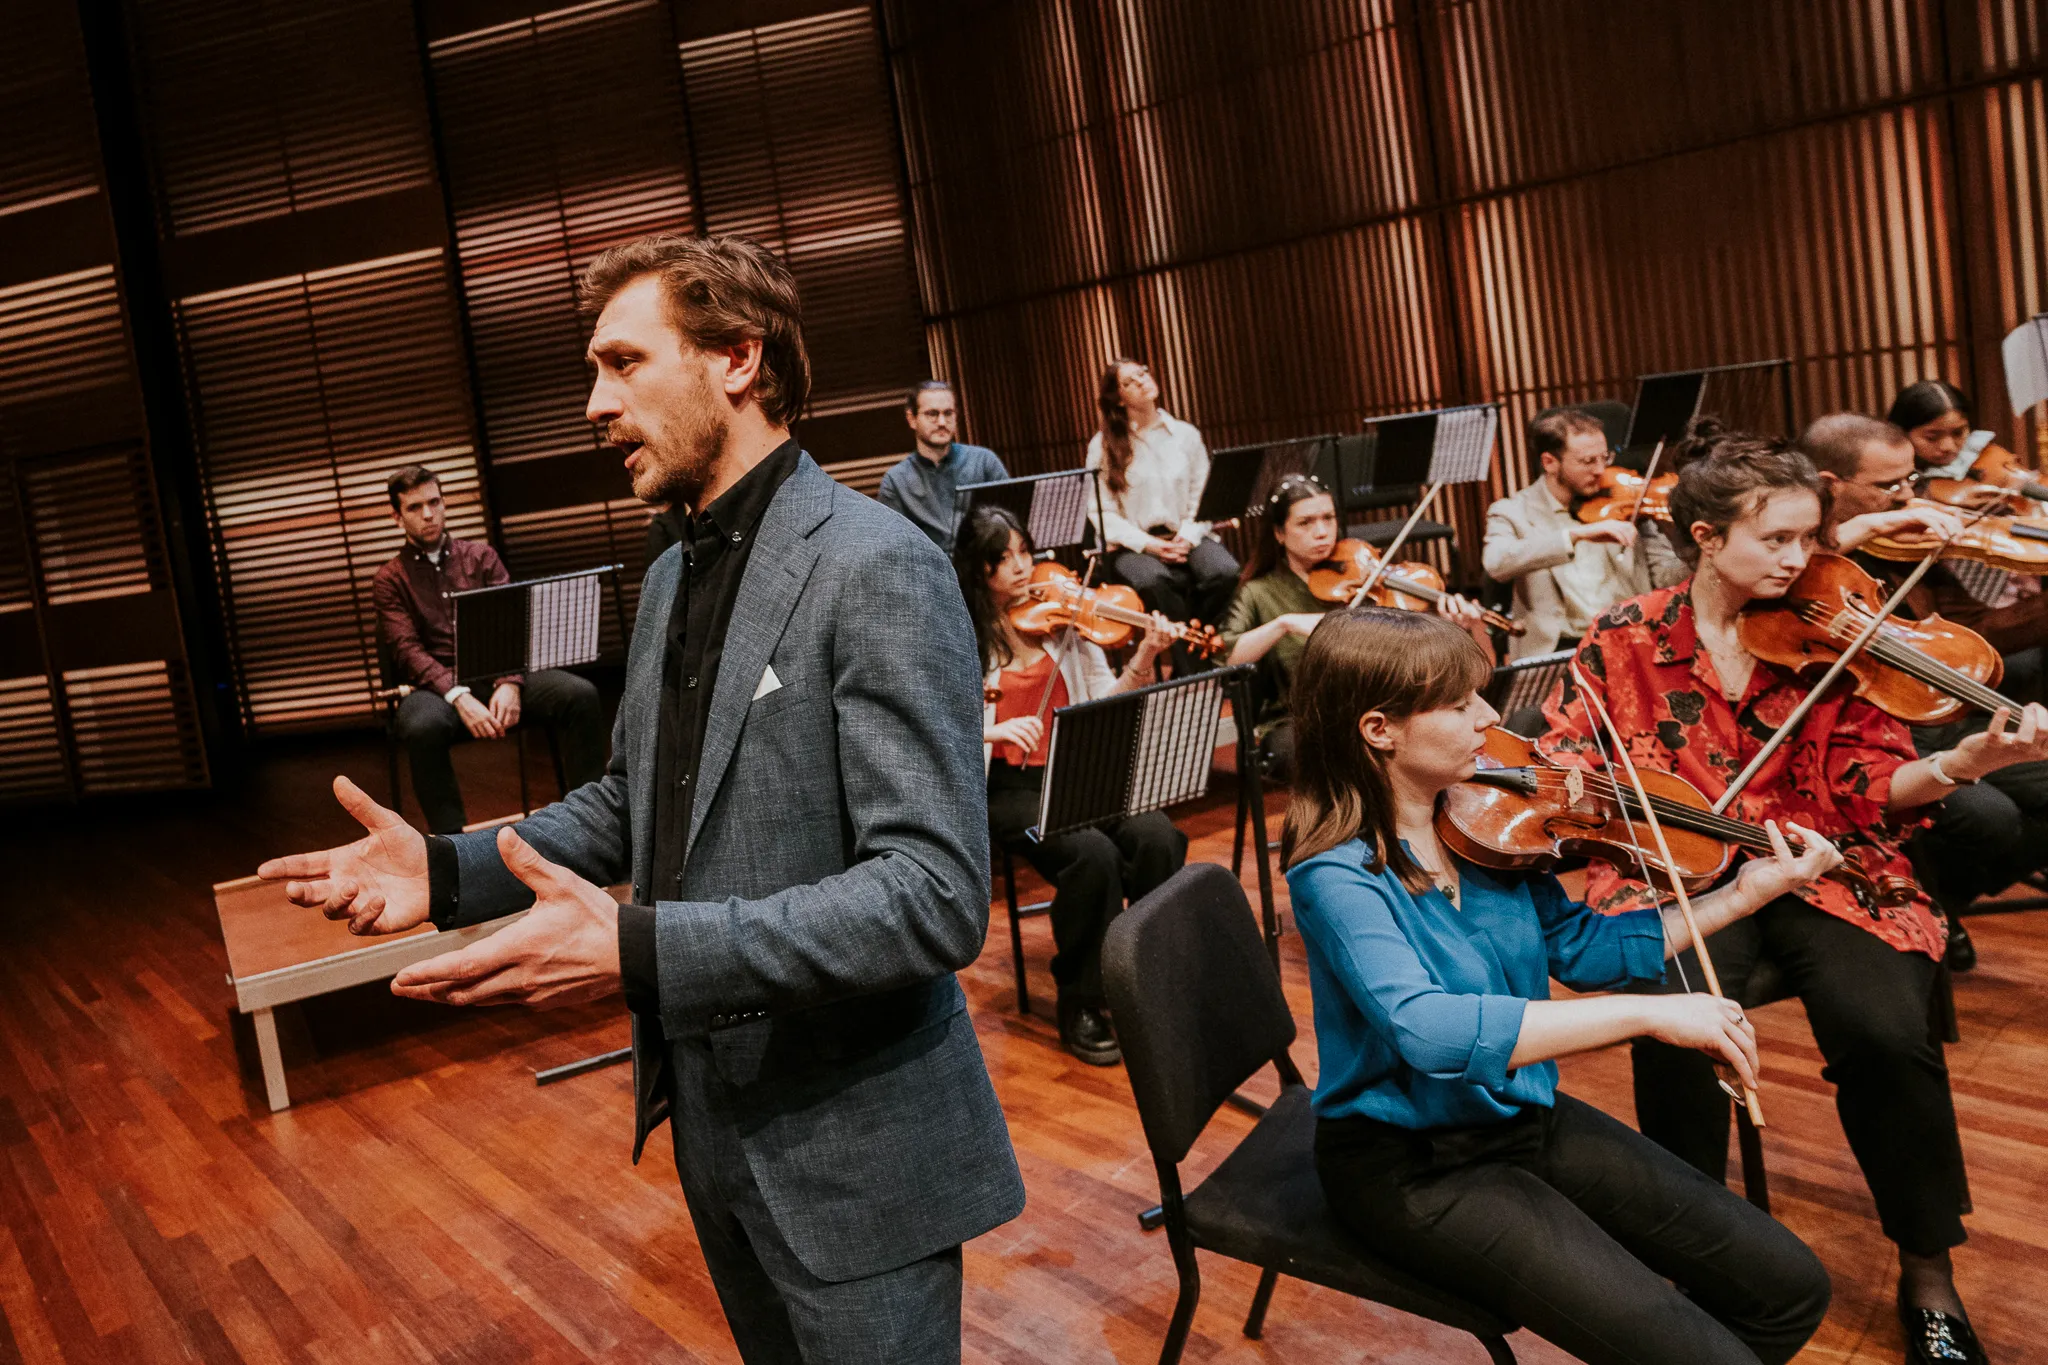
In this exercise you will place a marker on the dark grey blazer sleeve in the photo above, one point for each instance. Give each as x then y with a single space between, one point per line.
913 903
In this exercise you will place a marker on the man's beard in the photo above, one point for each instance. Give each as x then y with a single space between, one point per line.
688 453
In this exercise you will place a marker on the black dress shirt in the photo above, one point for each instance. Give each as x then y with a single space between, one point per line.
716 547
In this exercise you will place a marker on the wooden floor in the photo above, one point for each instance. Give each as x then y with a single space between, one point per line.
425 1201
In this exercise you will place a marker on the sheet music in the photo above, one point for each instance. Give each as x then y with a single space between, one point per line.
1059 509
1176 746
561 630
1464 444
2026 364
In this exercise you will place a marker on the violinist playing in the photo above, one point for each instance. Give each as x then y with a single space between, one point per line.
1442 1139
1093 871
1692 700
1271 616
1565 571
1989 834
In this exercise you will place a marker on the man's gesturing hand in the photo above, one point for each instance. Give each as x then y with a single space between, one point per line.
565 952
378 883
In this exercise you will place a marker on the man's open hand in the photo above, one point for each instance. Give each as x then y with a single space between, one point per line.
565 952
378 883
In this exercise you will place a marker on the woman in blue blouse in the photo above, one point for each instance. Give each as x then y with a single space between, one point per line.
1441 1138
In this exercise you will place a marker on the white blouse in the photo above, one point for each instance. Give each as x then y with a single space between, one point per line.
1169 466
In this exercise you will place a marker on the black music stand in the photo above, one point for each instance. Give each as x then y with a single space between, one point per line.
1241 478
1525 683
1666 403
1397 457
1052 508
1148 749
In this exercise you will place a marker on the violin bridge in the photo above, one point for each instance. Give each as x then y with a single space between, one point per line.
1574 786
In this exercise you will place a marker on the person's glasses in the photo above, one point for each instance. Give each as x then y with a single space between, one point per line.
1897 488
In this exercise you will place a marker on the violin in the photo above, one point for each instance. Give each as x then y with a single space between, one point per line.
1923 672
1107 614
1624 497
2015 544
1996 467
1521 811
1409 585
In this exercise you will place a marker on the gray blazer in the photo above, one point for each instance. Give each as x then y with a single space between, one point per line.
836 876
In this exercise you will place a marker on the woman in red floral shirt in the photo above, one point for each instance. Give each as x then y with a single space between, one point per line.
1691 700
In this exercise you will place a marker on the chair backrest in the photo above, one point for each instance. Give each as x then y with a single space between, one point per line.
1198 1005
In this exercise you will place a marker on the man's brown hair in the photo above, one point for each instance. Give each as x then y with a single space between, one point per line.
1835 443
718 291
407 479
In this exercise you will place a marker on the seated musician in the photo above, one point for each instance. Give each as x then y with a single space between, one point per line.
416 629
1442 1139
1989 834
1094 872
2009 610
1565 571
1692 700
923 483
1271 617
1153 467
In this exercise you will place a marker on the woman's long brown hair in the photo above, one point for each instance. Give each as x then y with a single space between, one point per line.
1358 661
1116 428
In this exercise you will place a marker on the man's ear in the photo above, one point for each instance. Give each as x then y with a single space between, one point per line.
742 365
1829 480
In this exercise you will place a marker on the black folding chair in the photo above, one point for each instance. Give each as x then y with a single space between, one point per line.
1198 1012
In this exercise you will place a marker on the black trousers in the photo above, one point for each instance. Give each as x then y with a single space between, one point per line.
428 727
1094 872
1573 1225
1987 835
1200 589
1869 1007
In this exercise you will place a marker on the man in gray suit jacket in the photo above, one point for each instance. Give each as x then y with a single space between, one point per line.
807 844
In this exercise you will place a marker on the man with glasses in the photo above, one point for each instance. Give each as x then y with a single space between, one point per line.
1994 832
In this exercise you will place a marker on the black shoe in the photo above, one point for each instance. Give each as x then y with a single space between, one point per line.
1962 953
1086 1034
1936 1338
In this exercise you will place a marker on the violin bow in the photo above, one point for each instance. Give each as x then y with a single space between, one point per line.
1692 925
1386 558
1827 679
1635 510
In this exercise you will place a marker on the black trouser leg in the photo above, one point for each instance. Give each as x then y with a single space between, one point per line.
1164 587
1679 1103
1212 573
1868 1005
427 726
570 705
1092 872
1595 1239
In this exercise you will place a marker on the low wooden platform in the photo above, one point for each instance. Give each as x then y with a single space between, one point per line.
424 1201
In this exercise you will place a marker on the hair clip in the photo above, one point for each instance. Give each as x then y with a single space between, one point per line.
1293 481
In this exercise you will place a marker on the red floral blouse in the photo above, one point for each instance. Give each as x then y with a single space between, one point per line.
1834 775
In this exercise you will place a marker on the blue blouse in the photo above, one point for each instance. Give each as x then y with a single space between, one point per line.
1418 1004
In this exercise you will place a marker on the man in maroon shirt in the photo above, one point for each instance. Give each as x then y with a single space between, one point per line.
416 630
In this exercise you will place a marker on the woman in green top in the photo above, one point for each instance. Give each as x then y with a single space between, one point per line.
1270 619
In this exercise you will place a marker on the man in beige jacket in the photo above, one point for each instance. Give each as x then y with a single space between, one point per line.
1565 571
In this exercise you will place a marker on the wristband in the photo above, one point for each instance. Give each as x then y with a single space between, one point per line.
1941 773
455 693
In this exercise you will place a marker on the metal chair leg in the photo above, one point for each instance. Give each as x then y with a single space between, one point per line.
1243 822
1498 1351
1255 1323
1756 1185
1016 931
1184 1307
554 738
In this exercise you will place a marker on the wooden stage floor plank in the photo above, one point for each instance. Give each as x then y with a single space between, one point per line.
424 1201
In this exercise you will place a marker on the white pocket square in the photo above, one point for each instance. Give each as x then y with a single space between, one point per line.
769 683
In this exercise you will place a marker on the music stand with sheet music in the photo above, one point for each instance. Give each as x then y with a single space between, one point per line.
1148 749
1426 451
1052 508
1241 478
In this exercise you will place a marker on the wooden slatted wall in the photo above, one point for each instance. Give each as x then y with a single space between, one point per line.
95 696
523 103
304 240
795 146
1304 213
